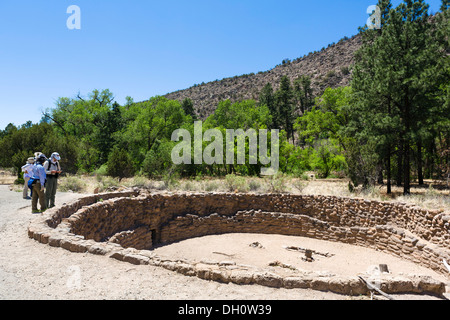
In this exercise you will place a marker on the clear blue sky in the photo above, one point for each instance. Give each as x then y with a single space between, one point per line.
143 48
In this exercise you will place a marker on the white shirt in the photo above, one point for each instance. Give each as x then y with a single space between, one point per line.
28 169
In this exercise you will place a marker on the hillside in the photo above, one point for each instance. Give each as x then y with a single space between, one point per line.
329 67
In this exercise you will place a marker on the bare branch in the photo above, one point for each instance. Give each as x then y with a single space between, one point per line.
47 115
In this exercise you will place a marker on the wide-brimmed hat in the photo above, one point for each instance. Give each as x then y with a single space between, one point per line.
31 160
56 156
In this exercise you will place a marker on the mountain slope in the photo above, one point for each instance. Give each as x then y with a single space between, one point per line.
328 68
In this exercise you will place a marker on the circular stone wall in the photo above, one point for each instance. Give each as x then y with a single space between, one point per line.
126 226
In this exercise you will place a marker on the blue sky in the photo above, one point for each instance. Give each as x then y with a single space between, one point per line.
146 48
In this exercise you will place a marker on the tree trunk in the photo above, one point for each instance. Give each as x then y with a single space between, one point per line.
407 144
419 163
431 150
380 174
406 170
399 177
388 172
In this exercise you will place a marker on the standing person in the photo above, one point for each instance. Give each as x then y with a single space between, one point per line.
52 170
27 170
38 182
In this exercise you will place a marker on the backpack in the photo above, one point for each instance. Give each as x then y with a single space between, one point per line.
49 166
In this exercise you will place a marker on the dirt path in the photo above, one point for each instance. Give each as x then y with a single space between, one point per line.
32 271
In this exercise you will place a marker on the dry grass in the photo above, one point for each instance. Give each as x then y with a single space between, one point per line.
430 196
7 177
7 180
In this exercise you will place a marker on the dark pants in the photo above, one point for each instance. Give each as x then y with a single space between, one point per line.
38 194
50 191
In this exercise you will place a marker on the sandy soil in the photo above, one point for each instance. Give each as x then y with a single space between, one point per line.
32 271
260 251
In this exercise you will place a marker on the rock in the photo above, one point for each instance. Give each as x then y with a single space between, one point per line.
268 279
241 277
98 249
227 263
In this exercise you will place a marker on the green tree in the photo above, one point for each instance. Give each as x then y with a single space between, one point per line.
188 107
267 98
243 115
10 128
92 120
22 143
322 129
149 123
395 81
284 98
120 164
304 93
107 128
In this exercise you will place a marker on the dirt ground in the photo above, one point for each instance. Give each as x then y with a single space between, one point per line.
32 271
260 251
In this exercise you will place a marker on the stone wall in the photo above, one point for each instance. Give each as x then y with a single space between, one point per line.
106 224
325 217
139 238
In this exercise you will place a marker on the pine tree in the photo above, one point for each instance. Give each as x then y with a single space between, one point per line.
395 82
304 93
267 98
284 98
188 107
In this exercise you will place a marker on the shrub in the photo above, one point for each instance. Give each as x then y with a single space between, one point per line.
170 180
345 70
277 183
210 186
330 74
300 185
305 177
72 183
20 180
236 183
106 183
119 164
158 160
189 186
141 182
102 171
254 185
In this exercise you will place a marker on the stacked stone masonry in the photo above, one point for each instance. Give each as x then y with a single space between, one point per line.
127 225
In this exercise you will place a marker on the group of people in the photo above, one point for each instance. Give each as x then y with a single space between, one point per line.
41 177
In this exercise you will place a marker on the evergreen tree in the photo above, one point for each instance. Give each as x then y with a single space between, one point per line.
188 107
120 164
385 8
396 82
382 120
304 93
109 125
267 98
284 98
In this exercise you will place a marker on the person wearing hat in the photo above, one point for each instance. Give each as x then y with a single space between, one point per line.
52 170
27 170
38 183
